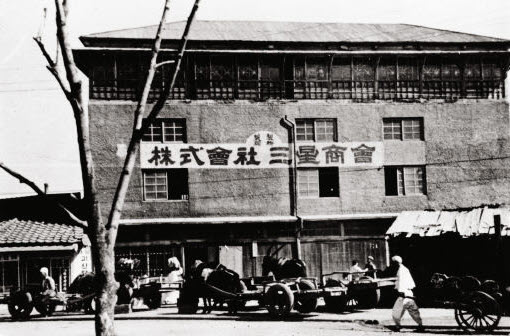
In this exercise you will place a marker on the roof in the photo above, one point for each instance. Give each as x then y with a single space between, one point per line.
268 31
15 232
475 222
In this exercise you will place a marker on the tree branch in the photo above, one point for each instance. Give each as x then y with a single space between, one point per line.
52 66
165 62
140 124
22 179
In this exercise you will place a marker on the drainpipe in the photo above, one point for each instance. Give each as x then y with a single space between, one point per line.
291 127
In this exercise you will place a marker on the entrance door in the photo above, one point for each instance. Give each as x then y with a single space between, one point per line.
232 257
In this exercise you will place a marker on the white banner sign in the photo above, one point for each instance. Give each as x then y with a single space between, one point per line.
264 154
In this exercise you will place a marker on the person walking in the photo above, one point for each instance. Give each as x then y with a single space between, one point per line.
405 300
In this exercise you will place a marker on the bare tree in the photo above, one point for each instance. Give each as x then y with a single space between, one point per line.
103 235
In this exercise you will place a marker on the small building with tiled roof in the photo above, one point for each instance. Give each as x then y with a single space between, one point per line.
47 240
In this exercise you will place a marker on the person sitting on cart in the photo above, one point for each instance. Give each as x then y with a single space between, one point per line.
48 285
355 272
175 270
370 267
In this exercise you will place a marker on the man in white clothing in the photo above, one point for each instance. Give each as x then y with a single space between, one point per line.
405 301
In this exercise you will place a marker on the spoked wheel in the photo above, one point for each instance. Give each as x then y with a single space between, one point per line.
279 300
335 304
479 312
368 298
306 304
20 305
45 308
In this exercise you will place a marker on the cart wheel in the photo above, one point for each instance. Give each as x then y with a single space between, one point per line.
308 303
153 300
478 311
20 305
279 300
369 298
45 308
335 304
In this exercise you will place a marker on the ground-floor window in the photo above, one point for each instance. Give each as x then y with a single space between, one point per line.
152 261
9 273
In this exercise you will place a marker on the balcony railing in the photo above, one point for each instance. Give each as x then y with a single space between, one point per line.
259 90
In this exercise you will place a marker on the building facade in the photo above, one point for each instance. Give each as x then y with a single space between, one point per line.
296 139
36 232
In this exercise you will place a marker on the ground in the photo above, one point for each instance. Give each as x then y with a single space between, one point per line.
166 321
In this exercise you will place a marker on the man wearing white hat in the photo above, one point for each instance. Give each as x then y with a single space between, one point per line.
405 301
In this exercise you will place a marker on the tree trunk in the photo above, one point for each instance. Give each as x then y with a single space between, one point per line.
103 236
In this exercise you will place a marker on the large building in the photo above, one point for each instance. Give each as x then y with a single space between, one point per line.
296 139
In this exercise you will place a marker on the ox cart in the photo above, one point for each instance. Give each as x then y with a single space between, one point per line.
361 291
21 302
477 305
279 297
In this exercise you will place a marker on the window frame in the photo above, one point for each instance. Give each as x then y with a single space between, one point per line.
402 126
314 134
401 186
168 186
161 125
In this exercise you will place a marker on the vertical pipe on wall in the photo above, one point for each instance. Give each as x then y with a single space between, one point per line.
291 127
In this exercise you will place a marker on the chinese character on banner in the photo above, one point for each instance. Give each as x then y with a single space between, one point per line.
363 154
307 154
279 155
155 156
269 139
257 139
334 153
218 156
186 154
166 157
241 156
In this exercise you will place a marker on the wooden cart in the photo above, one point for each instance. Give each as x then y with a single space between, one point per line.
477 306
361 291
279 297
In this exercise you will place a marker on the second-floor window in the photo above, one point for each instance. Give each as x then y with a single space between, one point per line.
166 130
318 182
403 128
315 129
404 180
163 185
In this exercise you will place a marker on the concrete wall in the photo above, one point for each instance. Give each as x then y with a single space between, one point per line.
463 147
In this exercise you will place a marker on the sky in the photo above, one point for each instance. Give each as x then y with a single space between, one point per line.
37 130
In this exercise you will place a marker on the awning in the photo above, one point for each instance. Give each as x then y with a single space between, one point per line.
312 218
209 220
478 221
254 219
6 249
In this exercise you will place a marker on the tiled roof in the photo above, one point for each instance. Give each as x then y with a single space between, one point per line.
266 31
15 232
